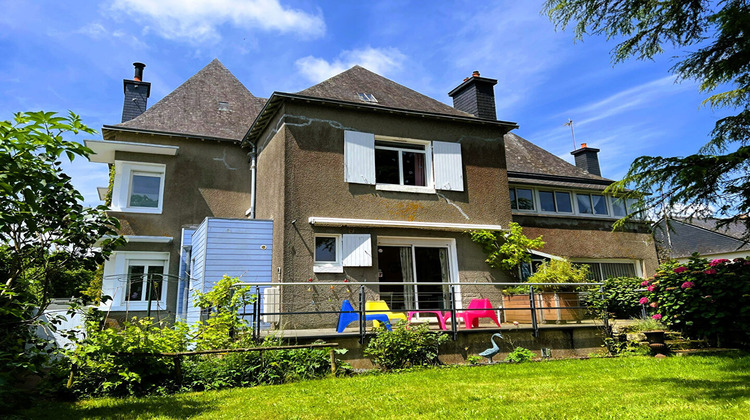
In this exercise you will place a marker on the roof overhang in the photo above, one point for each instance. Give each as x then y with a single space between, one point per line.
107 129
104 150
278 98
339 222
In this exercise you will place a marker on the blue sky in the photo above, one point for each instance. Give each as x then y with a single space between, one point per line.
60 56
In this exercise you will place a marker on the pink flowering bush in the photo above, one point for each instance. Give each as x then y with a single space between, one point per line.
702 298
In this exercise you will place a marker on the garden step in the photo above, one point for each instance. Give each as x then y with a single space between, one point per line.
688 352
684 344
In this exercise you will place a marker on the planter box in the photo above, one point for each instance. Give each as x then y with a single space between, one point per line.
545 304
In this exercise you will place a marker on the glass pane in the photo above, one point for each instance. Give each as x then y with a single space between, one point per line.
547 200
135 282
584 203
432 267
618 207
145 191
413 164
633 206
386 167
525 199
156 276
513 204
600 204
325 249
563 202
617 270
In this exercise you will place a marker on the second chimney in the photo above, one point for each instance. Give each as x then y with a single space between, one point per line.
136 94
587 158
476 95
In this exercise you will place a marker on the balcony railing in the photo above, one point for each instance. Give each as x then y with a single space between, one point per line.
281 305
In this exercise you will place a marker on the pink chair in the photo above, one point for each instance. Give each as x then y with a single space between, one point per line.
471 318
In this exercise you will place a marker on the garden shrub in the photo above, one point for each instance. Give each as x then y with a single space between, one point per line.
406 346
702 299
618 296
207 372
558 271
520 355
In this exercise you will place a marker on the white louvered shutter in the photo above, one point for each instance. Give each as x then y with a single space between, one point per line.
449 170
357 250
359 157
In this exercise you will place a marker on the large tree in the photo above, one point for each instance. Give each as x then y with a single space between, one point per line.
718 35
44 229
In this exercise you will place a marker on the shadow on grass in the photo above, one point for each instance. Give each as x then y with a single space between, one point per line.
177 406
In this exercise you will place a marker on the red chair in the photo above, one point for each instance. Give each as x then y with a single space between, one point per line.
479 308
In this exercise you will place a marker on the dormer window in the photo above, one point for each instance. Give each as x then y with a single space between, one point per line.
138 187
367 97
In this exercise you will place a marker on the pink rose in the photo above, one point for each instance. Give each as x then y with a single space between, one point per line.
680 269
656 316
651 288
687 285
710 271
645 283
643 300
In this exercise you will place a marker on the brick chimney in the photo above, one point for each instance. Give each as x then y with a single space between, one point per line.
476 95
587 158
136 94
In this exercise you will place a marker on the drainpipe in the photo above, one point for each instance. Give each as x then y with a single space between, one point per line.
253 157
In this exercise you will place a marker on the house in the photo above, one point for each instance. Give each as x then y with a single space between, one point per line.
355 179
685 237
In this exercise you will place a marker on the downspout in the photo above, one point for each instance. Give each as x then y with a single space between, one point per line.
253 158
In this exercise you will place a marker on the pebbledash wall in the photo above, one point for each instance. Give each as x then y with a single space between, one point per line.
204 179
301 164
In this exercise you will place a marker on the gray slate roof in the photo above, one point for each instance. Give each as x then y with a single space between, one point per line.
193 108
346 85
688 237
534 165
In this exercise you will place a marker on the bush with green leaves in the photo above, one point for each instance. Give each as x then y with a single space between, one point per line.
558 271
520 355
506 250
618 298
701 298
408 345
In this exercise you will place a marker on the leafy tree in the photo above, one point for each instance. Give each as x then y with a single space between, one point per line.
506 250
719 62
44 230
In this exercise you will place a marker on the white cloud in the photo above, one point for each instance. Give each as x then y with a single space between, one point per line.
378 60
93 30
197 21
636 97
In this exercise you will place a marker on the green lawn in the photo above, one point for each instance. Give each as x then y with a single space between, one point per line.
694 387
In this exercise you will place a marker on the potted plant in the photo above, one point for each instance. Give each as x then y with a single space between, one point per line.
560 301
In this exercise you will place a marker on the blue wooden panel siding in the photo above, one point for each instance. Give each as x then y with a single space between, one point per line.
182 284
234 247
197 264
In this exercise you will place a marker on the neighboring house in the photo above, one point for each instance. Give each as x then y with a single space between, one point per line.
685 237
357 178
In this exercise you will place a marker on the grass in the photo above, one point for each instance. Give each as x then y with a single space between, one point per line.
695 387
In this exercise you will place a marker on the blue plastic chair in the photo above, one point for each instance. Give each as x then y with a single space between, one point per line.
346 317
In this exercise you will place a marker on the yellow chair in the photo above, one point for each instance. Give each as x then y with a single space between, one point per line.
380 307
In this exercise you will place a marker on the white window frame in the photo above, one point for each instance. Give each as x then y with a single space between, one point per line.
534 199
637 264
429 187
412 242
115 281
123 183
537 204
336 266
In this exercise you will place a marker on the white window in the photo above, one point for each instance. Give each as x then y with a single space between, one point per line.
138 187
592 204
333 252
521 198
586 204
399 164
133 278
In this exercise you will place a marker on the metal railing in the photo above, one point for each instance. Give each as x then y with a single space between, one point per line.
452 303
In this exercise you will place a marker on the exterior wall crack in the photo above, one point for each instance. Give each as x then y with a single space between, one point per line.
223 159
454 205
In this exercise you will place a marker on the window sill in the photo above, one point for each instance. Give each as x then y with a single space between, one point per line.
405 188
139 306
136 210
328 269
